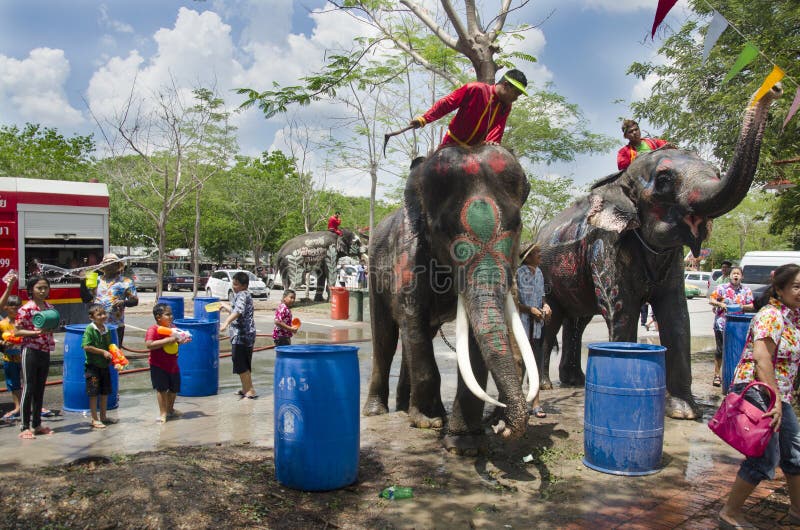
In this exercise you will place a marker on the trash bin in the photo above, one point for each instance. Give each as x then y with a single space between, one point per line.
176 303
200 312
316 416
736 327
623 420
74 385
199 359
340 303
357 305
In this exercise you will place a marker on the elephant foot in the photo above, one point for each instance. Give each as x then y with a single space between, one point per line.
680 409
401 404
545 383
421 421
465 444
570 378
374 407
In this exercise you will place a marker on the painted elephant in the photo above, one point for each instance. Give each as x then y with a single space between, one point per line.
316 253
622 245
448 253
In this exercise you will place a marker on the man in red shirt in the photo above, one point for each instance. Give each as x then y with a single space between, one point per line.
482 110
636 144
334 222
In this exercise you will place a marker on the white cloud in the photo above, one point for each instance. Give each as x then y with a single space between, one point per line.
32 89
107 22
533 44
643 88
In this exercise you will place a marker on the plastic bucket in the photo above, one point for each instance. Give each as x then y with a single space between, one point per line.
316 416
74 386
200 311
91 279
199 359
176 303
736 327
47 319
340 303
623 418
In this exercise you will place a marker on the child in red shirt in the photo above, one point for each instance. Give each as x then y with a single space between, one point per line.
164 372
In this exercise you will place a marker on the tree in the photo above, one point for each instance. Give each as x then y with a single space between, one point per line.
548 196
42 153
163 149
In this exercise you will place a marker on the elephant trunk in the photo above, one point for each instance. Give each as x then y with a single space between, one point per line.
717 197
486 313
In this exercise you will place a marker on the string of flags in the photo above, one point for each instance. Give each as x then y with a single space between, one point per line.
716 28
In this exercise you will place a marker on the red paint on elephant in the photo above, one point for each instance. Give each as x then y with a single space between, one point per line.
402 272
497 162
471 165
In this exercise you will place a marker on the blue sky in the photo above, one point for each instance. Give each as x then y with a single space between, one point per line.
57 56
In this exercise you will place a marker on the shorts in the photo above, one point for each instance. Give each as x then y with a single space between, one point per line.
164 381
783 448
242 356
719 337
98 380
13 373
283 341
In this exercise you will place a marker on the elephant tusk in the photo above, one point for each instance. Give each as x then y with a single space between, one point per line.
518 330
462 355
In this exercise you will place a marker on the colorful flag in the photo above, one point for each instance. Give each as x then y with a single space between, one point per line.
661 11
773 77
792 109
748 54
715 29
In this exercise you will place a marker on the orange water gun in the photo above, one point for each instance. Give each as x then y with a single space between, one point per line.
9 336
118 359
183 338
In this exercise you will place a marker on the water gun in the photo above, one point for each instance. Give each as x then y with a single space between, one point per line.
9 336
118 359
183 338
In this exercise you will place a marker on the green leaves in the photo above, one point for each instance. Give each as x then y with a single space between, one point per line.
42 153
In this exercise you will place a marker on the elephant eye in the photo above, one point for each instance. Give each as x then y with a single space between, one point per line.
665 182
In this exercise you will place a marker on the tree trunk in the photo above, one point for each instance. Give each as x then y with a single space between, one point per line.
196 246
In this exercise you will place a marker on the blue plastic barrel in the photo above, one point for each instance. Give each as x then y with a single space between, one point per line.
736 327
200 312
74 386
623 418
316 416
199 359
175 302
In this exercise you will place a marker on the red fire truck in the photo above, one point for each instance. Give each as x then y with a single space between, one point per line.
57 224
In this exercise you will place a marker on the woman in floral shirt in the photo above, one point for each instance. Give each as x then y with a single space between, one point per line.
771 355
732 292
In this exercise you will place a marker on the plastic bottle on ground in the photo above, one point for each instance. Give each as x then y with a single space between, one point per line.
397 492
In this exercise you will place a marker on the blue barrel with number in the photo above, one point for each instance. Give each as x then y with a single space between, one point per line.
736 327
198 360
316 416
174 302
74 385
623 418
200 311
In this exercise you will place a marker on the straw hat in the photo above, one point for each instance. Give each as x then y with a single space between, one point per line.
111 259
530 248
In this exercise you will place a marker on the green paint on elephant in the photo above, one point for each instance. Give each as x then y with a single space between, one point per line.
482 220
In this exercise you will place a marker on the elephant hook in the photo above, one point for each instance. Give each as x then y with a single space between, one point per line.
395 133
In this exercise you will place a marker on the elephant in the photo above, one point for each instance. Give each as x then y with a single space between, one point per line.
449 253
317 253
622 245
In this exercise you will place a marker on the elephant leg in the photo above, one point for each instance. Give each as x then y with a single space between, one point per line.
403 392
384 339
549 337
425 408
672 315
569 369
465 430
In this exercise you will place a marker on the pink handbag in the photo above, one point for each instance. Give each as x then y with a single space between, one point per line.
741 424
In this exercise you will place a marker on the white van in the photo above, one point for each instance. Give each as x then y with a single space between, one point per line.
758 265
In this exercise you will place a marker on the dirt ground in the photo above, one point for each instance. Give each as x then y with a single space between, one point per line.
537 481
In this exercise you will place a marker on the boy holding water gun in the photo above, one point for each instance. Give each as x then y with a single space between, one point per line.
96 344
164 372
242 332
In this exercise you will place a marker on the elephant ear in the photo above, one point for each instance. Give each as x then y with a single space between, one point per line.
610 209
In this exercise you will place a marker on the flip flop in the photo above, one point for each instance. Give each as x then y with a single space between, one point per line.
539 412
251 396
717 381
27 434
109 421
98 425
10 416
239 393
42 430
47 413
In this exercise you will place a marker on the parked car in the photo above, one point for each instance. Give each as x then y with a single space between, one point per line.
699 279
691 291
757 267
145 279
177 279
202 279
220 284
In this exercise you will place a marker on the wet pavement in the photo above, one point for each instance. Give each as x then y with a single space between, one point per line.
687 493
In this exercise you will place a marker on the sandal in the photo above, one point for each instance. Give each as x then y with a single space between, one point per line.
43 430
10 416
539 412
109 421
96 424
27 434
717 381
